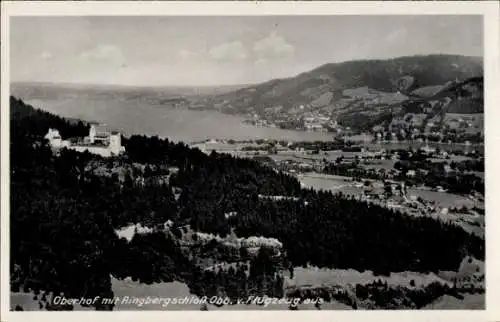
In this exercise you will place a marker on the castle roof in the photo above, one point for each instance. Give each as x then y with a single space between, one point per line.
103 131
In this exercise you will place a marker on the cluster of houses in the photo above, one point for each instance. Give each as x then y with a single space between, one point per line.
311 121
292 166
415 126
400 199
318 123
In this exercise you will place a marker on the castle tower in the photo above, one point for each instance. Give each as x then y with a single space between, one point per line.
54 138
115 143
92 133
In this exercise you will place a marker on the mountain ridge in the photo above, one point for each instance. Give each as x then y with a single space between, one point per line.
371 88
381 75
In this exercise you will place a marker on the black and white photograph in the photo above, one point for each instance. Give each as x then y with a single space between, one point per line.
245 162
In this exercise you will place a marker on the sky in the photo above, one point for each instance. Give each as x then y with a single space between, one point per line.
218 50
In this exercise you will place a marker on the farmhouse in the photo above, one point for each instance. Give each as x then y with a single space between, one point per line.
99 141
411 173
427 149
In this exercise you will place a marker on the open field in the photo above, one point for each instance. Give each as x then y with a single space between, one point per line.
178 290
444 199
130 288
330 156
470 302
456 158
379 164
28 303
327 182
469 271
313 276
416 145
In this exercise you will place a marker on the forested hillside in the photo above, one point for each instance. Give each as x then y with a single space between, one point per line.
63 217
324 86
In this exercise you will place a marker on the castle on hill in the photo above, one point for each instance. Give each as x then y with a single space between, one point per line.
99 141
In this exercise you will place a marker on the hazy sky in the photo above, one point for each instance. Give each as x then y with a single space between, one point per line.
221 50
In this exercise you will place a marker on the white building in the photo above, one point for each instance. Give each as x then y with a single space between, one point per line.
55 139
102 142
427 149
411 173
128 232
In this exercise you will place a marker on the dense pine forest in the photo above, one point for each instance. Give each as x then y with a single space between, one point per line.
63 218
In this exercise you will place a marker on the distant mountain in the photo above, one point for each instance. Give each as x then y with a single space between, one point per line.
159 94
337 88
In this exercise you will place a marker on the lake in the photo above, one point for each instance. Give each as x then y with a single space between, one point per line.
138 117
141 113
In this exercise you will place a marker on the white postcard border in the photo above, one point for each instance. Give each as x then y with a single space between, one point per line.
490 11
